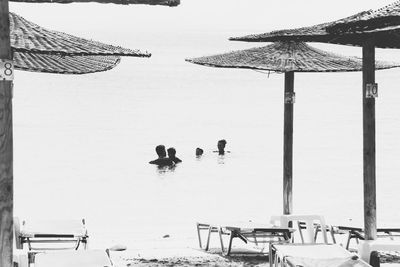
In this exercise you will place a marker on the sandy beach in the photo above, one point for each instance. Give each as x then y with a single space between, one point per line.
177 252
196 257
187 257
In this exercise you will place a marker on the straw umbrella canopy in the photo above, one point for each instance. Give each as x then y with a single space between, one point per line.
382 24
384 20
290 56
287 57
170 3
63 64
29 37
369 29
40 50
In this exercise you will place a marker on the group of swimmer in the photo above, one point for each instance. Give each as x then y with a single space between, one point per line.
171 160
163 160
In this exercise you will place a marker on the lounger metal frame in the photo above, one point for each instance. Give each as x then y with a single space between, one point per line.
50 238
253 235
358 233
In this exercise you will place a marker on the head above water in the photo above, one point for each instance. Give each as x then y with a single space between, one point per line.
199 151
160 150
171 152
221 145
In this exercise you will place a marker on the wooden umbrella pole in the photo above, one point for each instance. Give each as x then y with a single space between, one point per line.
369 139
6 147
288 144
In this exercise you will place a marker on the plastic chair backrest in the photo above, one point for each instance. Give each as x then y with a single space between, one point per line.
309 220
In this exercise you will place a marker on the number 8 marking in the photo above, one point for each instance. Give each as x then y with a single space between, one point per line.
8 69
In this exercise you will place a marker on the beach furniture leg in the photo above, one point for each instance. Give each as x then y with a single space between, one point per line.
208 238
332 234
300 232
28 242
220 239
255 239
317 229
348 240
231 236
271 256
198 234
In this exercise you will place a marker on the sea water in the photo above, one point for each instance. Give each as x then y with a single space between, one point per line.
82 143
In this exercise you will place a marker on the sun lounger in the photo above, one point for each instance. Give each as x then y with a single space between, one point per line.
313 255
50 235
247 232
357 233
73 258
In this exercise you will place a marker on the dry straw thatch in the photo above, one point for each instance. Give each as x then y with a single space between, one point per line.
39 50
64 65
170 3
384 19
287 57
29 37
373 23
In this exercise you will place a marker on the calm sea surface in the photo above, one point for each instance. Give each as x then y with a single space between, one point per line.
82 143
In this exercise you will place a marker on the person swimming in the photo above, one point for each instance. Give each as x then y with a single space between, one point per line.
162 159
171 155
199 152
221 147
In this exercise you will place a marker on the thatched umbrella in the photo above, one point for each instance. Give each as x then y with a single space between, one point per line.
353 30
33 48
69 54
40 50
386 19
170 3
30 45
29 37
287 57
64 64
290 56
369 29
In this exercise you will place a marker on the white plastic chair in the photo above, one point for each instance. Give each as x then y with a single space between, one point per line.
309 220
